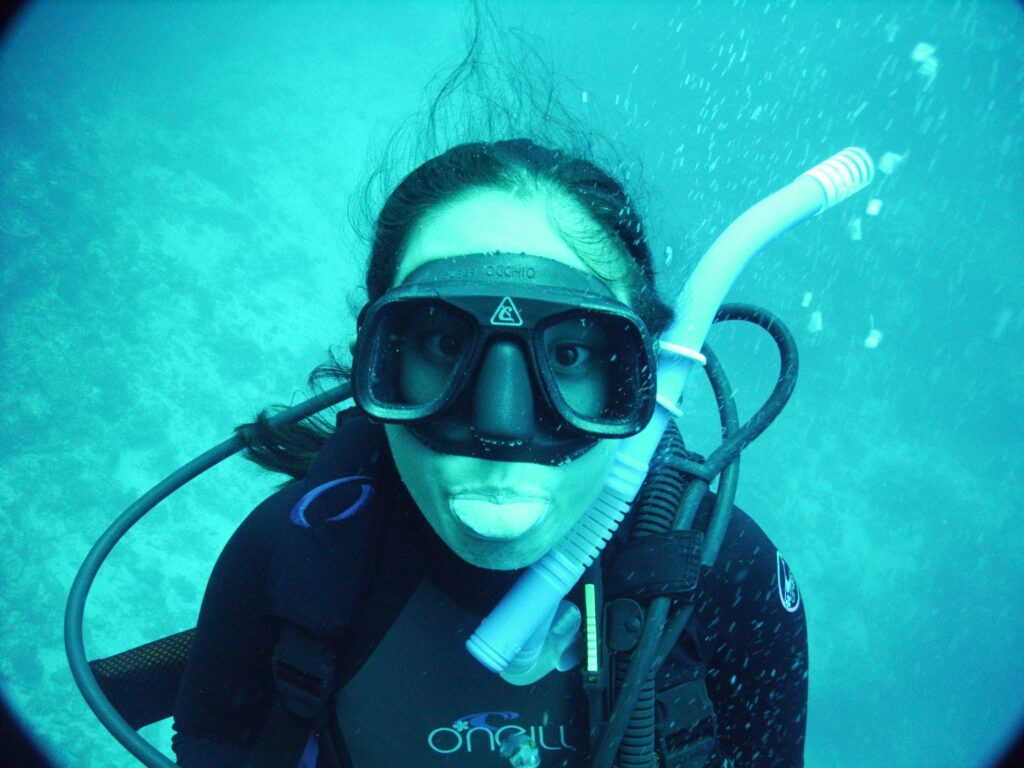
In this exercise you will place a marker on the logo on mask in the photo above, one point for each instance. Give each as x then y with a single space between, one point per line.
507 313
789 593
474 733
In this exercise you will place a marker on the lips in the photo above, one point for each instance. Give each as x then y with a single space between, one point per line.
498 514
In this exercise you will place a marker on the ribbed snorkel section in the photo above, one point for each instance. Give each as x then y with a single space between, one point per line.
511 631
842 175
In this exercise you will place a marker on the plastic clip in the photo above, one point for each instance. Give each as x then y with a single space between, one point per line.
679 349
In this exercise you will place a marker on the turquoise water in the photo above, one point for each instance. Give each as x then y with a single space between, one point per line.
176 255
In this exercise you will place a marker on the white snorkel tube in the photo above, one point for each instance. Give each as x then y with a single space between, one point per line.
514 632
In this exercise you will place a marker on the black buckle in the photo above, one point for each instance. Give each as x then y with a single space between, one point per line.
304 672
666 563
686 724
623 620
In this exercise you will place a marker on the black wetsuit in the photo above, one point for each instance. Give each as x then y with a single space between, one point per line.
412 695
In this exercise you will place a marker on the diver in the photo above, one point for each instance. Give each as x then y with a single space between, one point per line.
506 349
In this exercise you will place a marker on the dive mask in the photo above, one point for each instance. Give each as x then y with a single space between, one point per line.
509 357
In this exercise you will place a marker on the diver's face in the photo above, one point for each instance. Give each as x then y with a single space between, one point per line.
501 514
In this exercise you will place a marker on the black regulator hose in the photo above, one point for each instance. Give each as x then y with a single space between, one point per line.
74 644
629 732
655 512
673 495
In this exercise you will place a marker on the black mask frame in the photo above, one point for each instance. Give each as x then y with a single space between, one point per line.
501 398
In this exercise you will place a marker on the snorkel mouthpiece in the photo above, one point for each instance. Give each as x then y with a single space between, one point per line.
531 602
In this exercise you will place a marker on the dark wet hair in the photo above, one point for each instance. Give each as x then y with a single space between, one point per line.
520 165
509 165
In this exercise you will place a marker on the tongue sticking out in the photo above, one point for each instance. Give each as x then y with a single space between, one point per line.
498 521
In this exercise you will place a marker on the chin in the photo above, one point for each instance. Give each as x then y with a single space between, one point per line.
498 555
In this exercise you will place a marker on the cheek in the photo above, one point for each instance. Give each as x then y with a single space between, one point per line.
579 482
417 465
427 474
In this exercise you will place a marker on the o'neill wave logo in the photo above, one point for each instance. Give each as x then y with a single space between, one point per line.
299 514
789 593
484 732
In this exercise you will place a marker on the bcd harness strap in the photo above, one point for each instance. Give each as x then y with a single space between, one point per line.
305 678
664 564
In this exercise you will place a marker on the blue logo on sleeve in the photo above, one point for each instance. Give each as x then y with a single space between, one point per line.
298 515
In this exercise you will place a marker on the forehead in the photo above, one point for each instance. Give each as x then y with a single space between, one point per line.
495 220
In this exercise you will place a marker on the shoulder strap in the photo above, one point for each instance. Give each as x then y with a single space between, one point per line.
320 563
319 569
298 727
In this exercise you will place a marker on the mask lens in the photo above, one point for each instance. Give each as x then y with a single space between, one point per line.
596 365
419 346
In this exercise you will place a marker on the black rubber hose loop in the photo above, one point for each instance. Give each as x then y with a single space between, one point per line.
74 644
658 635
656 512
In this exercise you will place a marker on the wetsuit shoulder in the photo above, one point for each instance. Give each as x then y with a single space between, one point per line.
226 689
754 637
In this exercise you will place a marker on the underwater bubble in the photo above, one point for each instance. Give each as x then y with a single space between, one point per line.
922 52
855 229
815 323
890 162
874 206
808 296
928 64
